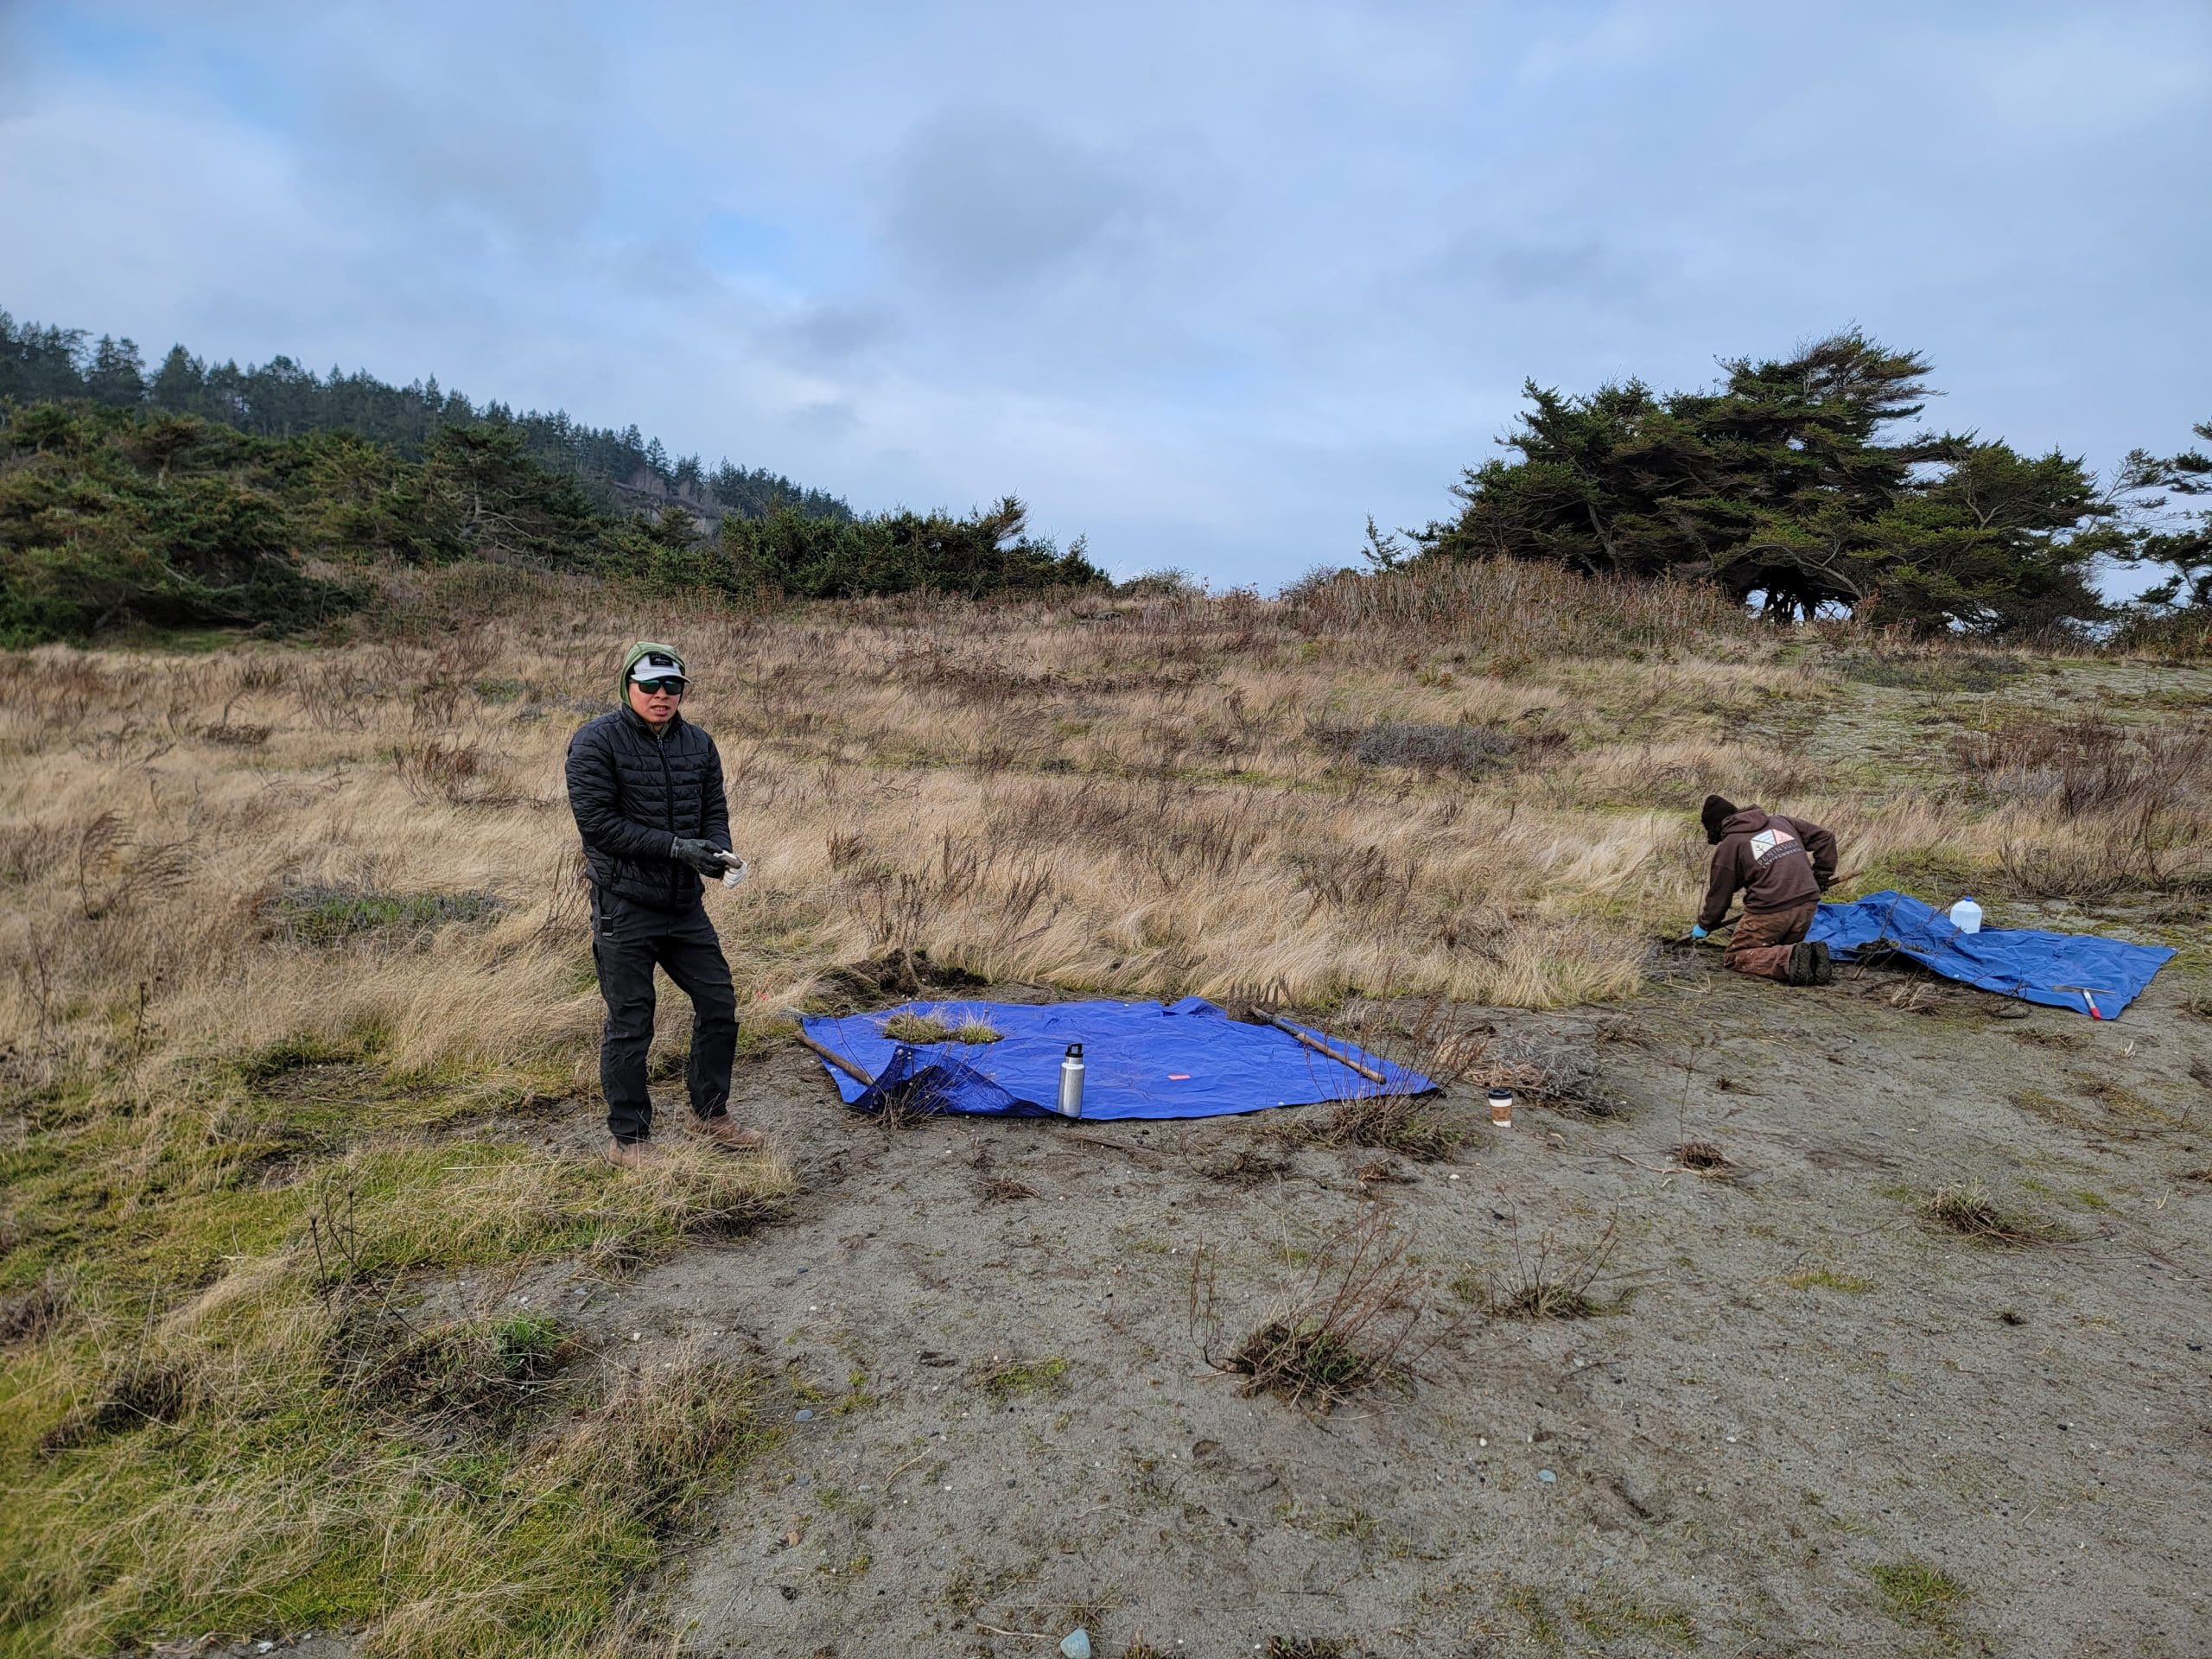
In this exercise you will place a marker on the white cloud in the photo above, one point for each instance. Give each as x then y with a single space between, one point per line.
1210 282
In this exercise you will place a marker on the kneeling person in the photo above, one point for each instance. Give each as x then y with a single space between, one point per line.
646 789
1781 865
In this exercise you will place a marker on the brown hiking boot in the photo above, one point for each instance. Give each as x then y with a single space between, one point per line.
1810 964
635 1155
724 1133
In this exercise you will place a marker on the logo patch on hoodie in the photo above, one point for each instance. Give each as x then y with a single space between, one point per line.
1770 843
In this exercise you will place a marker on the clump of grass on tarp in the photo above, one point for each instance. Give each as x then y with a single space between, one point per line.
916 1028
906 1026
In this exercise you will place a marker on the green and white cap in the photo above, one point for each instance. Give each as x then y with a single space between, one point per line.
649 660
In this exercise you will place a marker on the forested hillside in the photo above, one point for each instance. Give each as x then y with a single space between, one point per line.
619 471
118 519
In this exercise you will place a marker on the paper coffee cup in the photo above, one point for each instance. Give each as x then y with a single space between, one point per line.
1501 1108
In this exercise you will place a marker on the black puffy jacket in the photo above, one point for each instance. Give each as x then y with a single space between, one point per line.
635 795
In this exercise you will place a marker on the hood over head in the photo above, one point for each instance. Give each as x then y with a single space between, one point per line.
1744 821
1717 810
638 653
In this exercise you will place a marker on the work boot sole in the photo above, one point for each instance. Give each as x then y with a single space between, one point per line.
1809 965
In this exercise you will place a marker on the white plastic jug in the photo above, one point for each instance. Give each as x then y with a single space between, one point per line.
1966 916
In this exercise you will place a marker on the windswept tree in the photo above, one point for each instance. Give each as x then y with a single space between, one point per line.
1791 486
986 552
2179 539
110 520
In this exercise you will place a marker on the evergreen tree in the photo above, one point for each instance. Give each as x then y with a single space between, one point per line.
116 374
790 552
110 519
39 362
1783 486
180 383
2181 542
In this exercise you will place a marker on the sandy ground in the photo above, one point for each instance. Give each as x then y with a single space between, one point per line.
1809 1389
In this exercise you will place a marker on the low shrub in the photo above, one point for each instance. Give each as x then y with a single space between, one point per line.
1465 750
1349 1327
324 916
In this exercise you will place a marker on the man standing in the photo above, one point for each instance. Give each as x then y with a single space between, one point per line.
1781 865
646 789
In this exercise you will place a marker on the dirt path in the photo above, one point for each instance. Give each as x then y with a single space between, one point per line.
1820 1424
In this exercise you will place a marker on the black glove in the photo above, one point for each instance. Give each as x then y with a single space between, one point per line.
701 856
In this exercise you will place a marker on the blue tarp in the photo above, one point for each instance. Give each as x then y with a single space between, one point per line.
2053 969
1140 1059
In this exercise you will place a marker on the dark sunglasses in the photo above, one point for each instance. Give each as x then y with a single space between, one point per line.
654 688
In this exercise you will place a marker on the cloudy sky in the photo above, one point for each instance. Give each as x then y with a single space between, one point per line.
1208 281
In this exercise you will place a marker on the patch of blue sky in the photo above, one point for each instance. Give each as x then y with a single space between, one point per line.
741 243
119 49
92 43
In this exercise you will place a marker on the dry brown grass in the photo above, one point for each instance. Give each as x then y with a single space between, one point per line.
1142 798
1968 1210
277 922
1106 795
1414 1126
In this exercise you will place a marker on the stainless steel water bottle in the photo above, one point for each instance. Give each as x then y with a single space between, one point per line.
1071 1083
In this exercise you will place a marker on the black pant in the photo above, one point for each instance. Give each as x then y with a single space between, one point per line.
627 940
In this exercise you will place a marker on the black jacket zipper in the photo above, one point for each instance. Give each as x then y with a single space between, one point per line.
668 800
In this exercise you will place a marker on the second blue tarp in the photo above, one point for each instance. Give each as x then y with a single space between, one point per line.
1140 1059
2081 971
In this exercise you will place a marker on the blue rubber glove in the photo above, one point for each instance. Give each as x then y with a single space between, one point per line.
1697 933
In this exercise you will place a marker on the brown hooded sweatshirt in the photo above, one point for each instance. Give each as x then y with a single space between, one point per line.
1780 863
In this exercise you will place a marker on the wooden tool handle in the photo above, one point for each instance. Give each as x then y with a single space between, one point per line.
1320 1047
836 1059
